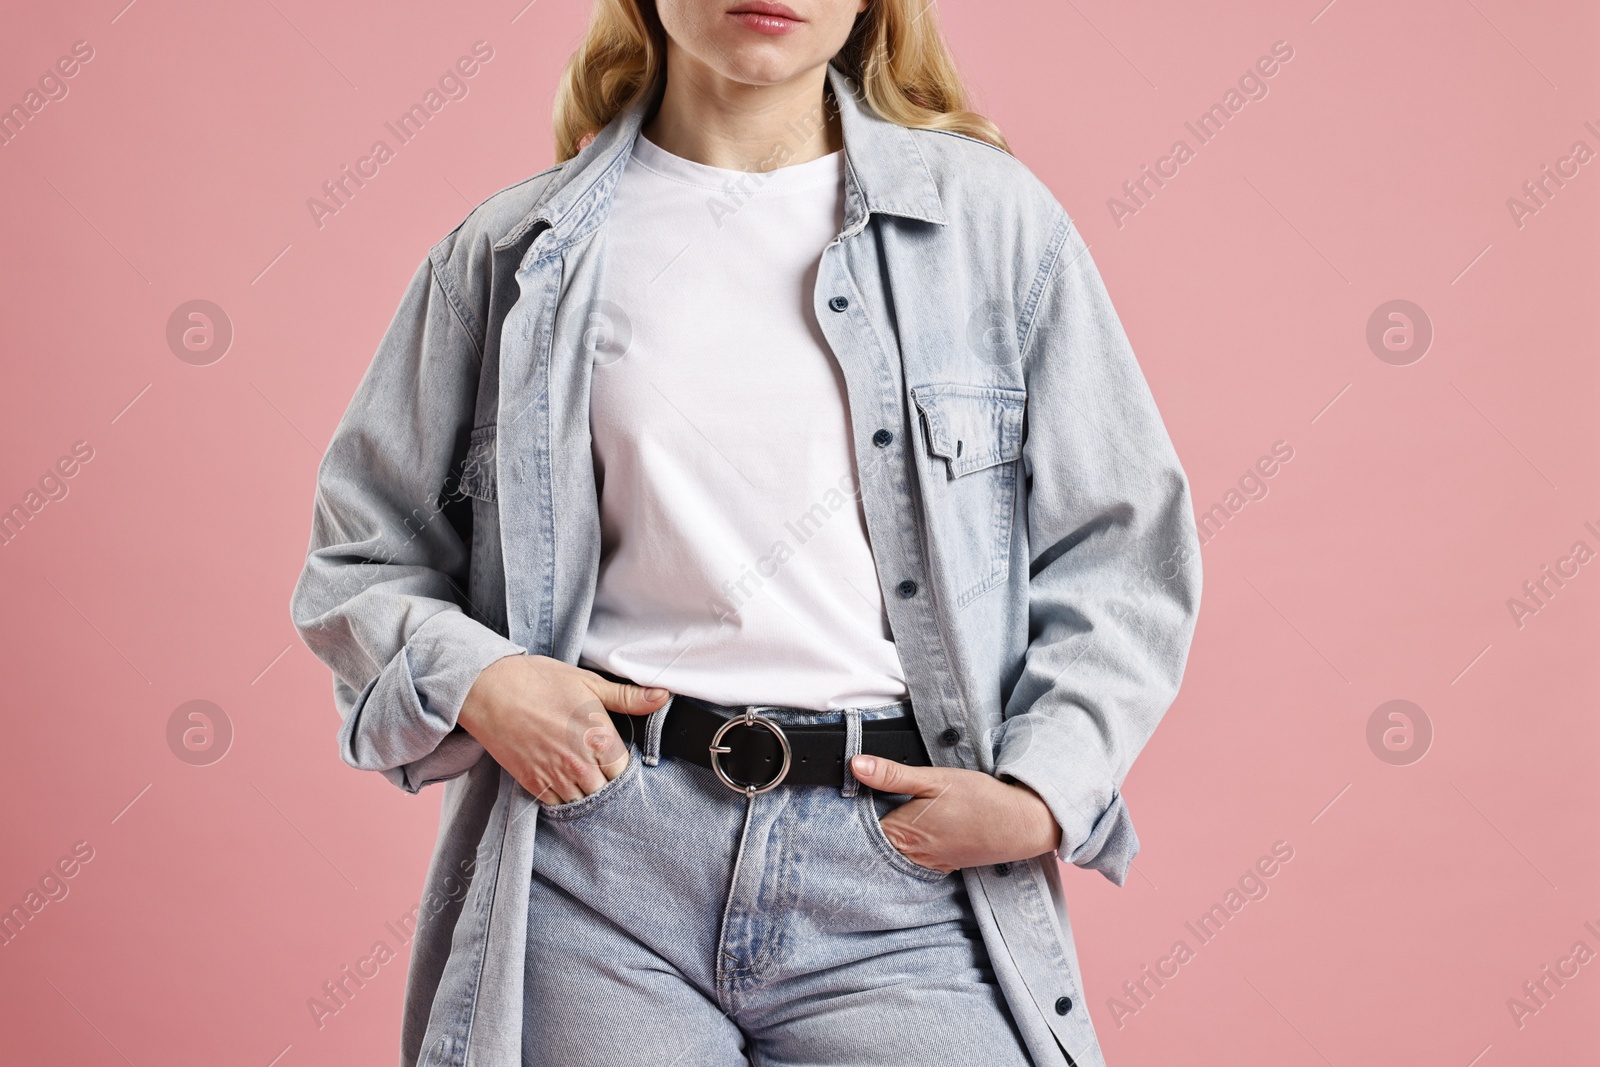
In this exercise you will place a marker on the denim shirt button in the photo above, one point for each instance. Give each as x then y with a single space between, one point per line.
949 736
907 589
1002 869
839 303
1063 1005
883 438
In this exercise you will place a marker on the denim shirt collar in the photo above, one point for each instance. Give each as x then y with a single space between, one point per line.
885 172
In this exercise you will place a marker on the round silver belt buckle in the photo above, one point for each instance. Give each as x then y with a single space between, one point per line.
718 750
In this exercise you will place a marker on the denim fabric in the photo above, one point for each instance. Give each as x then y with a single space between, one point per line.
1029 521
673 921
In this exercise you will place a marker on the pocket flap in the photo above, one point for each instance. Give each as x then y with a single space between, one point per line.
478 478
972 426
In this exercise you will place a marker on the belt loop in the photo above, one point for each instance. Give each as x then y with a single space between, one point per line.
852 748
652 733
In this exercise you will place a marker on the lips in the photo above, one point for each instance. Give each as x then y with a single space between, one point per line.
767 18
763 7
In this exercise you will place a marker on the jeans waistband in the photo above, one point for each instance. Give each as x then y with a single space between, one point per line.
783 714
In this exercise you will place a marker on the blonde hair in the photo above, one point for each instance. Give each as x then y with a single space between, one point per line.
895 52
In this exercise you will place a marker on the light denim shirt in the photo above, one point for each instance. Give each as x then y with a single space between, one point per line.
1029 520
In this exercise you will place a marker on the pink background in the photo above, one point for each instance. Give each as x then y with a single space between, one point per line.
1420 897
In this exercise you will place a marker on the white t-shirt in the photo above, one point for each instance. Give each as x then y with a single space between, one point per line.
735 565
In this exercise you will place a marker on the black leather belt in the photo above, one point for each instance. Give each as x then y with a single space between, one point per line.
752 753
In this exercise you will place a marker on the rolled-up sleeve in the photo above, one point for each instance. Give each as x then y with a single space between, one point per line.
1114 575
380 599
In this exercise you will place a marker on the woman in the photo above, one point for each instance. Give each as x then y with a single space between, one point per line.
755 519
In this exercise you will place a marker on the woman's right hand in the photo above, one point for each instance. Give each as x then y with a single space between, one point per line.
545 721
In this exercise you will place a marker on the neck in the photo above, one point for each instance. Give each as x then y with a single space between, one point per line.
711 119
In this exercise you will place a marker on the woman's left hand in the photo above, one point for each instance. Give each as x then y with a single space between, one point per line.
959 818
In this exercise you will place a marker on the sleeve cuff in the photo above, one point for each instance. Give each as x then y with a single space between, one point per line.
446 655
1096 830
1110 846
404 724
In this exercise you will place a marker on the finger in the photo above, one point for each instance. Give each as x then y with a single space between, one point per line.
591 779
603 754
887 776
598 741
628 699
554 794
575 771
909 838
613 767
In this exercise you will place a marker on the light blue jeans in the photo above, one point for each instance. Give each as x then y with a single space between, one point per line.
675 923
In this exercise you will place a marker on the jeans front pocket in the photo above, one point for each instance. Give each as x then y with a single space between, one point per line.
575 809
873 806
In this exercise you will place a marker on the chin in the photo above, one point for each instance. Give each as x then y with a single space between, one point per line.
761 64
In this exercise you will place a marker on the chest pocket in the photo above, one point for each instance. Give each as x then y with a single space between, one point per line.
477 469
973 436
479 483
